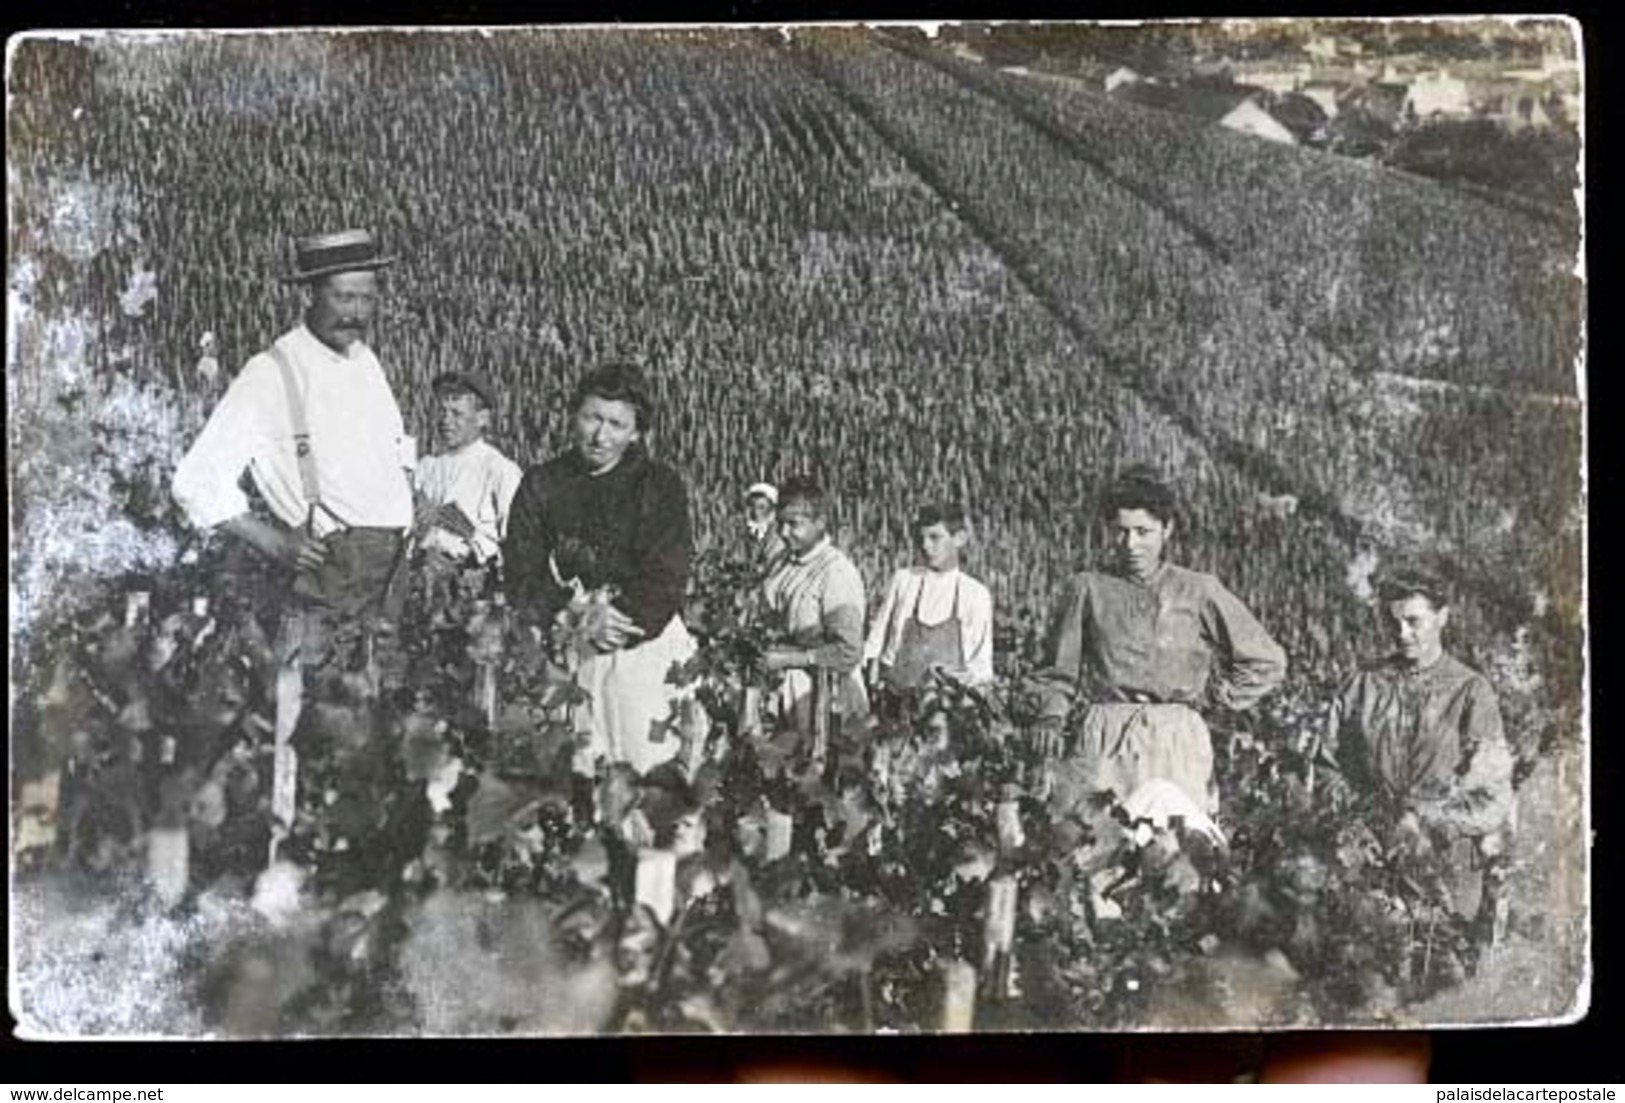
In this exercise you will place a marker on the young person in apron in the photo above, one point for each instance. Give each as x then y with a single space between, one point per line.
912 635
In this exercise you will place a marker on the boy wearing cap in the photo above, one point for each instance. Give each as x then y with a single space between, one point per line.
466 489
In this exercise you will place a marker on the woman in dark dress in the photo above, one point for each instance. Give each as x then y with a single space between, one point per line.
598 548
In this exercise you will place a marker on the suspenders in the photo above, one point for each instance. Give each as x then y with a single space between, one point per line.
301 437
290 678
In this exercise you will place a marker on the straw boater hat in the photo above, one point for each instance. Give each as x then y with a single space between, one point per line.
327 254
766 490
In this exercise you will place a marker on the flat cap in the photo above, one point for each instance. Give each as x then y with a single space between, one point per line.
478 383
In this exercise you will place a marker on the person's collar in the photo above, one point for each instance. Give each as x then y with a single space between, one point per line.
467 449
926 572
1149 582
1438 665
814 552
759 528
304 336
578 464
630 458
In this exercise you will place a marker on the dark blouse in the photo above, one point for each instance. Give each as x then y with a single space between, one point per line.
626 528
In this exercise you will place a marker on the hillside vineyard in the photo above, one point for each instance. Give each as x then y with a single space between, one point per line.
840 253
850 254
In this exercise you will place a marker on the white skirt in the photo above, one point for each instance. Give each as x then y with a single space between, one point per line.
1129 745
631 712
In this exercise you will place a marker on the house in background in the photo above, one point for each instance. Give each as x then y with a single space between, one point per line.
1275 77
1324 48
1383 101
1401 69
1517 104
1440 94
1251 117
1237 107
1325 94
1303 116
1120 76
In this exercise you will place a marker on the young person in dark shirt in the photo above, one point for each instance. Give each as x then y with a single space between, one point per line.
599 546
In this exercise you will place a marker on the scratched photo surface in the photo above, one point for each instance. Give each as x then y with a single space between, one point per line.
825 529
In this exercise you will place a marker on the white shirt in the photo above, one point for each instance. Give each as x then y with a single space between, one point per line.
356 434
482 481
935 593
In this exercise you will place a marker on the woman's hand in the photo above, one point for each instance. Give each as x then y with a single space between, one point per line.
611 629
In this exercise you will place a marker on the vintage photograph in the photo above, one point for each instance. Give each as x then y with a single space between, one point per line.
882 529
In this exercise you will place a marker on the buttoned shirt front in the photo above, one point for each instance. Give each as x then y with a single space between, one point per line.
1178 637
482 482
1428 738
818 601
932 596
362 452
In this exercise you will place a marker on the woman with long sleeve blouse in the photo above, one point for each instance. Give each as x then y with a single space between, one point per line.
599 538
1149 645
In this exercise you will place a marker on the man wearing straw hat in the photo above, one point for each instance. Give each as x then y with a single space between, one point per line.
313 422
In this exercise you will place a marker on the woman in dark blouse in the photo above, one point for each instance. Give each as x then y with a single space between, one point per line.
599 545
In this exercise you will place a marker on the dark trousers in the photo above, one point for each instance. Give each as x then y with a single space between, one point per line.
328 619
331 612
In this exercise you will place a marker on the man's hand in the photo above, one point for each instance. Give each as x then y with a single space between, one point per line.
308 553
293 548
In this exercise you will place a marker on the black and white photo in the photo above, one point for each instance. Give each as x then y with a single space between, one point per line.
849 529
